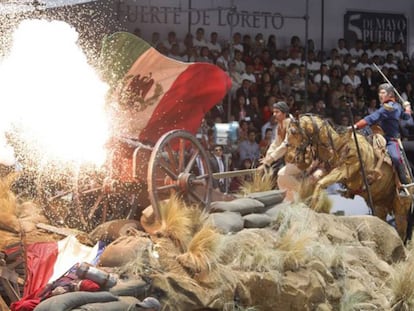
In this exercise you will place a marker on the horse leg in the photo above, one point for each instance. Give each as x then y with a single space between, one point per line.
401 210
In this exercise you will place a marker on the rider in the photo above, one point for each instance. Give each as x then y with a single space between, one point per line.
388 117
288 175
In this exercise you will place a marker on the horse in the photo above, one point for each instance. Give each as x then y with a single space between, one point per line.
311 138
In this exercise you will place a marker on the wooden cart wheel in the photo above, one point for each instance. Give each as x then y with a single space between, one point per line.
179 164
79 201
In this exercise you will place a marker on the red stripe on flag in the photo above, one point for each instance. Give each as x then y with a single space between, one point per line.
191 96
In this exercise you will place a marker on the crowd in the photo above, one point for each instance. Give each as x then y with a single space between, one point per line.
342 84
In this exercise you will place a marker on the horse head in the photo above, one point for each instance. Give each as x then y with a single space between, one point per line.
310 137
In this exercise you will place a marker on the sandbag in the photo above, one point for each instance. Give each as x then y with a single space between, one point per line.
268 198
256 220
131 287
123 250
112 230
73 300
243 206
226 222
123 304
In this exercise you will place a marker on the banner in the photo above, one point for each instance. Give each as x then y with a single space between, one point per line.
376 27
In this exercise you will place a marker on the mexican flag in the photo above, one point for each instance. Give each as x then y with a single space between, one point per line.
152 94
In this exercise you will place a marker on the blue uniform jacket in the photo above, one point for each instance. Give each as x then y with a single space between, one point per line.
388 117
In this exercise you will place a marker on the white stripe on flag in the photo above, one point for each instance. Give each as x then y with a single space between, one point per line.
70 252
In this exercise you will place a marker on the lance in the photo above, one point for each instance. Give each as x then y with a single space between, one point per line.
361 163
389 82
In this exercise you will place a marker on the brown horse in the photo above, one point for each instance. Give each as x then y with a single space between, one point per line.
313 138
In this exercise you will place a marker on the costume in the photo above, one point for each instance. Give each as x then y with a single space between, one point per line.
288 175
388 116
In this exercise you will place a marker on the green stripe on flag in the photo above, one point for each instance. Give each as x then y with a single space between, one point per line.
119 52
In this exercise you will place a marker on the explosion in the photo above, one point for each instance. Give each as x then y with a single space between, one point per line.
51 98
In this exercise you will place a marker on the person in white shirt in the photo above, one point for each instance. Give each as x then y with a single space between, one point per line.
373 46
397 52
342 49
389 62
238 59
237 42
214 46
363 63
224 59
199 40
351 78
322 76
313 64
382 51
357 51
280 59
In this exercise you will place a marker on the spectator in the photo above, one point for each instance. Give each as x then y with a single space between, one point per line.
357 50
214 46
322 75
397 52
204 56
279 60
373 46
334 59
266 141
240 65
313 65
224 59
199 41
217 163
342 48
255 113
240 109
249 75
369 83
237 42
155 38
271 45
351 78
258 44
249 149
335 78
271 124
362 64
390 62
175 53
244 90
319 108
172 39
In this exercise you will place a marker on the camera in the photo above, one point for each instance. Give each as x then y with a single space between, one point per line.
226 133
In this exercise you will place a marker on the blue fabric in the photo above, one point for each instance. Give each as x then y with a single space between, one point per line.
388 119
